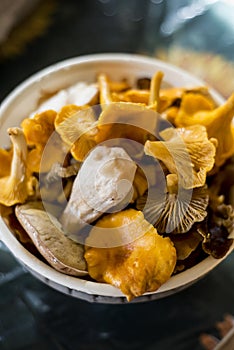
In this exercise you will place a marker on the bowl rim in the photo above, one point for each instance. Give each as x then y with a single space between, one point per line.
76 283
104 57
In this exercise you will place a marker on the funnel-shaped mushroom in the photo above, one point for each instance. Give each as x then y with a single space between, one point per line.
77 127
218 123
14 187
140 266
40 133
134 121
186 152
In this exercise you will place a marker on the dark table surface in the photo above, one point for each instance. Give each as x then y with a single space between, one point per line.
187 33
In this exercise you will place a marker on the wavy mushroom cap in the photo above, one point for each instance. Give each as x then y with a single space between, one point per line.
186 152
140 266
218 123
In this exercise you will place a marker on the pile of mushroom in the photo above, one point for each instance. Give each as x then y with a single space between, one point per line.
122 183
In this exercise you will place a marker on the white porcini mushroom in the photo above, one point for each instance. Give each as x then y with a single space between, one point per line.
79 94
103 182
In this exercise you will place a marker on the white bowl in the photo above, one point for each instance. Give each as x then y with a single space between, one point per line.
23 100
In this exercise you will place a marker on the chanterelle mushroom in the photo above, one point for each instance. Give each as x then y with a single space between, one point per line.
5 161
186 152
218 123
140 266
103 182
14 188
77 128
132 121
40 133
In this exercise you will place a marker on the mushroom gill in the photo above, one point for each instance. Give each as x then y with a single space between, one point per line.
177 209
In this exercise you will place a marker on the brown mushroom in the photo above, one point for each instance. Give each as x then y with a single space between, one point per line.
186 244
217 230
46 233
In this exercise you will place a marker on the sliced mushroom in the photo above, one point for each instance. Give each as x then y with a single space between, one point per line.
103 182
46 233
176 210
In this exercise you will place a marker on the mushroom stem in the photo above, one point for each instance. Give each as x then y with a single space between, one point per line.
154 98
104 87
14 187
19 154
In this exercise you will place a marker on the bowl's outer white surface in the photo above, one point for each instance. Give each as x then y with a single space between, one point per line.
24 99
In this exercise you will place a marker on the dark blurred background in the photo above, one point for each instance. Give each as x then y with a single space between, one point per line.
188 33
196 35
